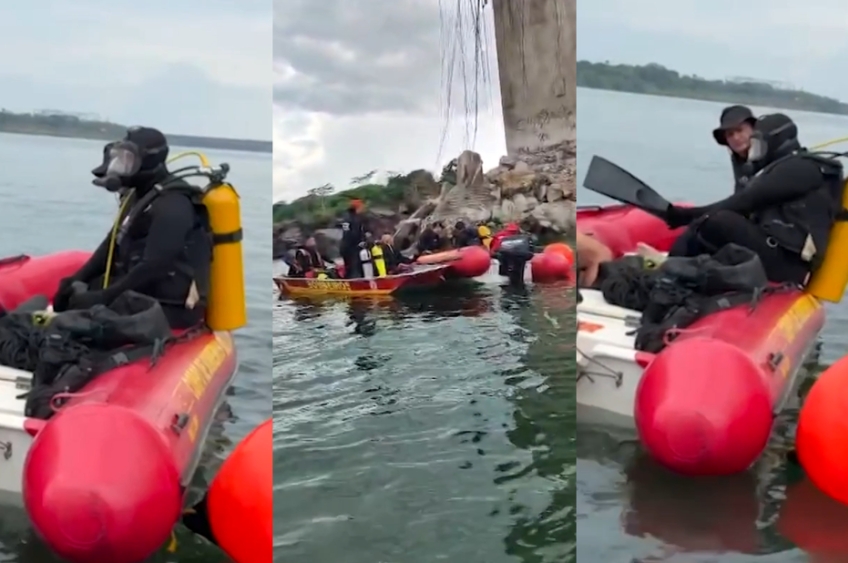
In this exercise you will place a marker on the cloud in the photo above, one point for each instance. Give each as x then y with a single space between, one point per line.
378 84
91 55
802 43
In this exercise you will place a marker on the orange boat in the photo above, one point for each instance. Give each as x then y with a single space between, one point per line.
421 277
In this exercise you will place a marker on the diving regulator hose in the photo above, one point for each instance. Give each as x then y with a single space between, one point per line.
214 176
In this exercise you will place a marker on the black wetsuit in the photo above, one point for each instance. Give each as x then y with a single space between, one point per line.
796 197
353 234
743 171
429 241
393 257
466 236
166 249
309 258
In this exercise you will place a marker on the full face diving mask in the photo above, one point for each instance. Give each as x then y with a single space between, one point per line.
121 161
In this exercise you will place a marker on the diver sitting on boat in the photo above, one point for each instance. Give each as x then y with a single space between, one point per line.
161 244
785 213
395 261
307 261
431 238
465 235
736 125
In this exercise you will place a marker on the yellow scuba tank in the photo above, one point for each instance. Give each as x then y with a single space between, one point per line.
829 281
226 307
378 260
485 234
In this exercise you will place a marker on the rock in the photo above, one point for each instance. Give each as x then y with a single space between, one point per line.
535 189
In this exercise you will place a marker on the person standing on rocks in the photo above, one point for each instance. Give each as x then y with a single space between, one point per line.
353 235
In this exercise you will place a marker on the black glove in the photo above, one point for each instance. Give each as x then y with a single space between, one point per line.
63 294
87 300
680 216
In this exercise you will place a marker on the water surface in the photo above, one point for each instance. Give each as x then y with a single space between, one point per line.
439 428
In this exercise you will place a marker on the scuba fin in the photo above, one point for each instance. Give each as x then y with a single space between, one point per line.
615 182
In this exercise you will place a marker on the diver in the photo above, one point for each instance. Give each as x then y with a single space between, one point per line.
784 215
353 235
309 258
464 235
431 239
736 125
163 250
394 259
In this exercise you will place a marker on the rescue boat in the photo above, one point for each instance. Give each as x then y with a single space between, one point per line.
421 277
706 403
104 478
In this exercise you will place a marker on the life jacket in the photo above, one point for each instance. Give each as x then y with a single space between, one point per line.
380 268
193 266
802 226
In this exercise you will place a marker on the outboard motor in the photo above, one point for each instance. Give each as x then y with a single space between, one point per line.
513 254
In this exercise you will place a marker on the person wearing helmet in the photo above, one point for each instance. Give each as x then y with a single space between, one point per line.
164 245
736 125
785 213
353 236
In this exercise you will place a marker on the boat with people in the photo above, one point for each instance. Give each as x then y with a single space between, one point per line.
101 454
704 399
417 278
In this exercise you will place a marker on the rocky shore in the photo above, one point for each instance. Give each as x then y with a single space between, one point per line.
535 189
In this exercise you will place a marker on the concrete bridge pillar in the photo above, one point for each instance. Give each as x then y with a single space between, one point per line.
537 54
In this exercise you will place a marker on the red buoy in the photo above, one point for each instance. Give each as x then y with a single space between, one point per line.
702 408
473 261
822 437
100 485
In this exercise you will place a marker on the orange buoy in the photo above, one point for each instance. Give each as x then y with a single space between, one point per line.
562 249
549 267
822 438
240 503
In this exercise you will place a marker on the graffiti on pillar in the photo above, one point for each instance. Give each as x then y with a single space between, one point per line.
540 122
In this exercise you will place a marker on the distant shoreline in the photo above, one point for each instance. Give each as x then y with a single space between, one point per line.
71 127
656 80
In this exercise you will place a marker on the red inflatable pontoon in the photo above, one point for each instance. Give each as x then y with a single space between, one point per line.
104 478
705 404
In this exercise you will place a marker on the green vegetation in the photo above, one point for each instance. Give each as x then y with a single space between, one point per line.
658 80
401 192
58 125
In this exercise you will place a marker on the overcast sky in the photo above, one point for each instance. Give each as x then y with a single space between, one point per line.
359 86
802 43
193 66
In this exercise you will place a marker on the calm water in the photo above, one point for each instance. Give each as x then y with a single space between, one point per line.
446 434
47 204
626 507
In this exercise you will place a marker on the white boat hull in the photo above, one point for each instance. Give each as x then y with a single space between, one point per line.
15 441
607 371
